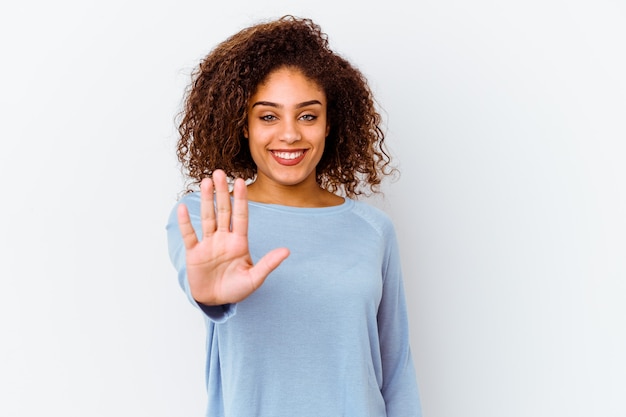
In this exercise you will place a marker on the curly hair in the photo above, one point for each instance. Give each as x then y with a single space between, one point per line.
214 114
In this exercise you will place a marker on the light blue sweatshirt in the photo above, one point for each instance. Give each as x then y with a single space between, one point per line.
326 335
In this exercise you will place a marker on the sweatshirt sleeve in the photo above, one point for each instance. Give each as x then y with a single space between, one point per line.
176 250
399 386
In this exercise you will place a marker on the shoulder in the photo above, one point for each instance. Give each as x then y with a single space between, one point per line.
190 198
192 201
374 216
369 211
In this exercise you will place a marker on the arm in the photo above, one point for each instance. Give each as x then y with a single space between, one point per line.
399 381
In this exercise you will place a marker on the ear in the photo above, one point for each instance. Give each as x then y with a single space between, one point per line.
245 132
327 129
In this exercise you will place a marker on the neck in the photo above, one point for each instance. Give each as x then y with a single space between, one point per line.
301 195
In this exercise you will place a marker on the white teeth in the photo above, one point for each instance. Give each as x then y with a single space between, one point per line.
288 155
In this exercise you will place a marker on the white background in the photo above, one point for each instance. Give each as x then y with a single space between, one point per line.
507 120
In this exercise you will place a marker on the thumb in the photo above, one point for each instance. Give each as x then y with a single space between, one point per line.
267 264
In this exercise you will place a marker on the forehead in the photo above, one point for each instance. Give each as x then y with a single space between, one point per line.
289 84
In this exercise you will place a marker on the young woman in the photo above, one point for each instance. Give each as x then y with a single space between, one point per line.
300 284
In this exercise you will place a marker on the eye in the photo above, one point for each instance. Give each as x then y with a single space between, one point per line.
308 117
268 118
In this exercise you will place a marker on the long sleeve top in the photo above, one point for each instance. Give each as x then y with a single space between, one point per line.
326 334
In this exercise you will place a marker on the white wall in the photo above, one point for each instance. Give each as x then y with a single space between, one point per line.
508 121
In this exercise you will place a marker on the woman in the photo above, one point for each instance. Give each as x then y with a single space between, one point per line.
299 283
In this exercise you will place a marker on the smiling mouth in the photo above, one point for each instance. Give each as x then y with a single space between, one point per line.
288 157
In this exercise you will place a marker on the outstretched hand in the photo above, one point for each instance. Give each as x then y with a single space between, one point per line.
219 266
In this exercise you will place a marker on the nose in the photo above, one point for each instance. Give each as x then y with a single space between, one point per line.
289 132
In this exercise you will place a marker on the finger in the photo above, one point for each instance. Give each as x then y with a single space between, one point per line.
267 264
240 208
186 229
222 198
207 207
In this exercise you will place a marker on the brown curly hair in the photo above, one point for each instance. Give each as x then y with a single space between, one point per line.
215 106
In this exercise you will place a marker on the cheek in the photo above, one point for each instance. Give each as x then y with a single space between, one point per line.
323 139
321 150
256 148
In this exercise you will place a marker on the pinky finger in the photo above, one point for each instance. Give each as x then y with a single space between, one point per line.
186 229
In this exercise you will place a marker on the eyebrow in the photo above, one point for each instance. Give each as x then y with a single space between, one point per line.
298 106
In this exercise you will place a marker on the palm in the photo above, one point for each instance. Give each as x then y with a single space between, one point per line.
219 267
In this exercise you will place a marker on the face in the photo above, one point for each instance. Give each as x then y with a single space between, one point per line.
287 128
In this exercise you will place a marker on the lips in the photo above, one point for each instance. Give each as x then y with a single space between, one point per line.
288 157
